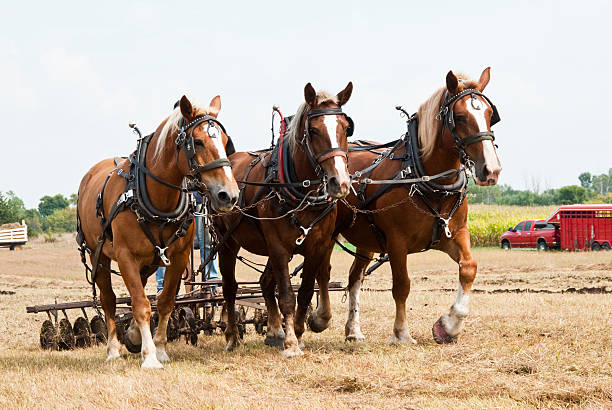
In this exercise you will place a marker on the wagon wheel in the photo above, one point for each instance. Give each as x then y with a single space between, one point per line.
98 329
131 347
120 328
605 246
66 335
48 335
82 332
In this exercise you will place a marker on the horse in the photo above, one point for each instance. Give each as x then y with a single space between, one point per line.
120 202
400 217
288 217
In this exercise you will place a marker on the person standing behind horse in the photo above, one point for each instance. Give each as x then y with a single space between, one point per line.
211 271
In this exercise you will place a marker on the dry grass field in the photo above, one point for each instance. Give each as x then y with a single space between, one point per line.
520 348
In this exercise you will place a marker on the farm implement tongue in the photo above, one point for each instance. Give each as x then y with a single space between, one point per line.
201 310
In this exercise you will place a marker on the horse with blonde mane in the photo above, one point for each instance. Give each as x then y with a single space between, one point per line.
137 212
419 202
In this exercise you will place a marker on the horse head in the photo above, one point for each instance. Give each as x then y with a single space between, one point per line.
326 130
469 116
204 157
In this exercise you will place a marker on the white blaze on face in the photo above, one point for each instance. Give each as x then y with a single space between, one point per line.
488 149
331 123
215 135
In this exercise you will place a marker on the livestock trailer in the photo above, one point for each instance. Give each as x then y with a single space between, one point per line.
13 235
584 226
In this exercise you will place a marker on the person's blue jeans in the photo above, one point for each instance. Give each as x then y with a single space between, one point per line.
212 269
159 277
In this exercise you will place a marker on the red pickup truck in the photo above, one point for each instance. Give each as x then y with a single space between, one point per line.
532 233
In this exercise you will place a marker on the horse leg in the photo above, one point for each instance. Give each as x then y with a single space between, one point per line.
352 329
449 325
320 318
108 302
275 335
141 310
165 304
227 265
305 292
400 290
279 259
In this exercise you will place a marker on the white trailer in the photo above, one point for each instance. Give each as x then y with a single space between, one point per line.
14 237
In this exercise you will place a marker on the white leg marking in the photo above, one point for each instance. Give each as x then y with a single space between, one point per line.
112 349
352 330
453 320
148 351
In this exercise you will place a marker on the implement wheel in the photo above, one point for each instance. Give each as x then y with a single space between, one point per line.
48 335
82 332
98 329
66 335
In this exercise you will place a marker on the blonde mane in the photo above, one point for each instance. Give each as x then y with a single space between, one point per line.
294 132
430 125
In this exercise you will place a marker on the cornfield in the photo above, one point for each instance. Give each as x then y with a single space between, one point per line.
488 222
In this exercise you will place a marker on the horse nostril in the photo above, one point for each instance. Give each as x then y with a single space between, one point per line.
223 196
333 183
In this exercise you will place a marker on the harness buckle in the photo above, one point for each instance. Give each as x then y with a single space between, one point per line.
301 238
426 178
447 231
162 255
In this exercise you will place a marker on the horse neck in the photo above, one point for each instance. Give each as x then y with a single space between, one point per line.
165 167
444 157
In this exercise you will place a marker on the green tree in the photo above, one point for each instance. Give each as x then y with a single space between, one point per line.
585 179
73 199
61 220
11 208
572 194
48 204
34 221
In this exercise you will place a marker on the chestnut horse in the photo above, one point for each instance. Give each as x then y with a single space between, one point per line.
316 146
453 129
189 143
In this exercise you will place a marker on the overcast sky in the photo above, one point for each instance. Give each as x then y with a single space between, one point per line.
72 76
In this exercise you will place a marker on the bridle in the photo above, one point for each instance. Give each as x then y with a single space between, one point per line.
317 159
186 141
448 119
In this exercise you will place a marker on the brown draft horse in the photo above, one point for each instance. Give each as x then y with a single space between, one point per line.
275 236
130 247
408 227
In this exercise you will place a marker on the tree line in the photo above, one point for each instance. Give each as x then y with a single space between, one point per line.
592 188
54 214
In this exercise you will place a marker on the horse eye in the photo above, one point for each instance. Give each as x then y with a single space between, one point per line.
198 143
460 118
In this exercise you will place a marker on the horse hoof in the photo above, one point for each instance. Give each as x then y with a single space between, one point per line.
162 356
131 347
403 340
113 355
317 325
151 362
232 345
274 341
292 352
440 335
356 338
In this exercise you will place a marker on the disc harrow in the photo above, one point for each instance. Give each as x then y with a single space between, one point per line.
199 311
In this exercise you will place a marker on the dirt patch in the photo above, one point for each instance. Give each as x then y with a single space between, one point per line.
7 292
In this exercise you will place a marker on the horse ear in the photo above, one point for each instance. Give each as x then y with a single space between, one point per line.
451 82
215 106
186 108
344 95
310 95
484 79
